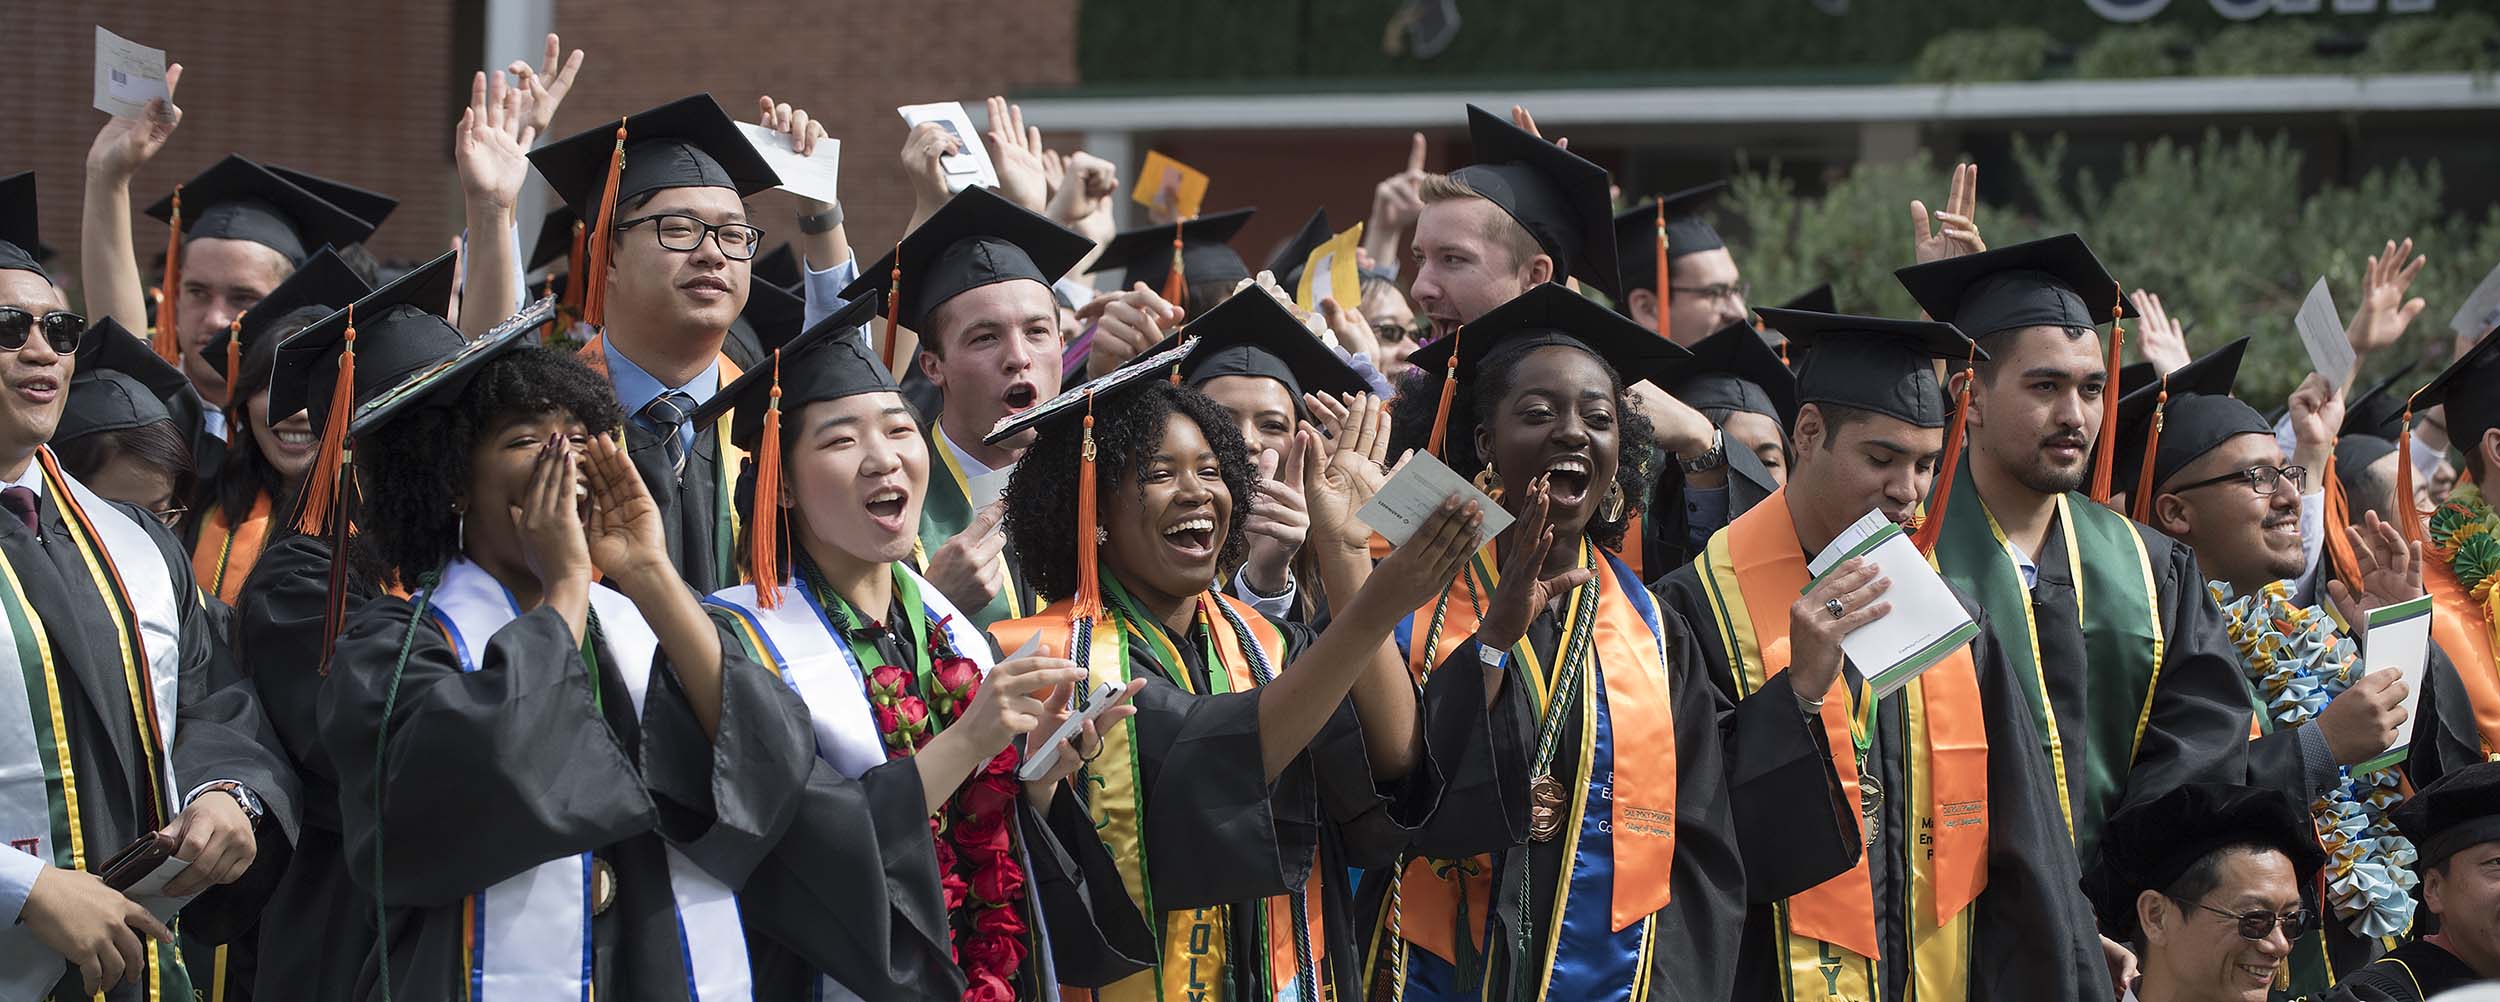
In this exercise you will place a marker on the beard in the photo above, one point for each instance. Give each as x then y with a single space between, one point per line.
2045 479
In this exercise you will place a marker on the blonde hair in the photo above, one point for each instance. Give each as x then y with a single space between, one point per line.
1500 229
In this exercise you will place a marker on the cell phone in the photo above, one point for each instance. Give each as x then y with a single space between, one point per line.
136 860
1038 764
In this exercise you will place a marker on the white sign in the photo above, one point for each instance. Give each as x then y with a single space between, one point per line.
813 176
1417 491
970 165
2322 332
127 75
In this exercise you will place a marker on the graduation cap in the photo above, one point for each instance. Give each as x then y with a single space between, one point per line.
1249 335
19 248
1662 229
1815 300
779 266
1290 258
977 238
2465 388
353 355
1888 367
1549 314
2170 422
371 206
120 385
1562 200
559 239
2378 410
2459 811
1733 370
774 314
1204 251
2149 846
686 143
237 199
326 282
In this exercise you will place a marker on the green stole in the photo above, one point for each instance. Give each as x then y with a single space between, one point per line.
946 512
2115 599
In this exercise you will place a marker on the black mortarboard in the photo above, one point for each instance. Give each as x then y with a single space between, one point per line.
236 199
1734 370
1102 391
1250 335
1872 364
2353 454
1816 300
1553 314
977 238
2055 281
779 266
19 225
2459 811
1289 259
120 384
1562 200
400 332
325 281
686 143
2467 388
2379 410
2200 415
371 206
555 239
2149 846
1207 253
1636 233
773 313
827 362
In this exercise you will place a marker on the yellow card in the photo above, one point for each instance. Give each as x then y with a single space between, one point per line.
1331 271
1164 179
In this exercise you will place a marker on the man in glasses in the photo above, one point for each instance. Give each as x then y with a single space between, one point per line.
2455 826
2209 882
1704 290
675 249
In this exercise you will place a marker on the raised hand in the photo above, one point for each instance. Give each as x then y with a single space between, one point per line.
1523 592
1354 334
1016 150
491 144
1519 116
1008 702
1355 469
2385 312
1127 324
925 148
1082 201
2163 340
1081 746
543 89
126 144
1955 230
1280 519
625 532
549 518
1398 198
804 133
2317 412
1814 633
2389 570
1418 571
966 568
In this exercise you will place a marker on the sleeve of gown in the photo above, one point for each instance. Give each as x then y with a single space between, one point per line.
1373 818
2294 760
481 774
1206 797
2445 739
1097 935
724 800
1484 799
2197 729
1792 821
2034 907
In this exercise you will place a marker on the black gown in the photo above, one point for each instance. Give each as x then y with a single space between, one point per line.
2413 972
2033 935
1666 537
494 771
1759 814
689 502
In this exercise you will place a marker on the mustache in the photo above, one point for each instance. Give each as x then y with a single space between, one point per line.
2073 438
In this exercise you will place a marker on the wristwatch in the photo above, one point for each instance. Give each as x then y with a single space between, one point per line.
253 811
1710 459
822 222
1493 657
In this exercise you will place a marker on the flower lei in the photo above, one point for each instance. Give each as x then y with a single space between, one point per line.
976 856
2465 533
2299 662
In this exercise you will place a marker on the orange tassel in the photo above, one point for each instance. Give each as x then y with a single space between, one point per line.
322 489
1176 284
1663 289
234 368
2411 521
2143 499
893 308
1932 528
764 523
1439 440
1783 348
2345 564
1088 603
162 340
576 284
594 274
2102 463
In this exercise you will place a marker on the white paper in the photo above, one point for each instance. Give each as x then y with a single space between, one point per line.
965 169
2400 638
127 75
813 176
28 969
1416 491
1323 274
2481 311
1039 763
1925 619
987 488
2322 332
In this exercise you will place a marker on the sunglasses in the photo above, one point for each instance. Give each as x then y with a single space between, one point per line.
2257 925
61 329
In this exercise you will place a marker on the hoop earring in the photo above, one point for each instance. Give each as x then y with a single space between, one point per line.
460 535
1611 510
1489 482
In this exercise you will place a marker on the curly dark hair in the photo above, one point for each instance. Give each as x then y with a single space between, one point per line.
246 474
410 469
1041 501
1411 425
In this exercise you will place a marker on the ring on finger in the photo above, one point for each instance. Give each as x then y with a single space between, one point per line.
1833 606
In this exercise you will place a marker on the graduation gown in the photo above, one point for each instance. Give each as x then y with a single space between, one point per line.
2135 693
698 510
1230 861
1757 813
947 511
510 788
2413 972
2028 933
71 661
1666 538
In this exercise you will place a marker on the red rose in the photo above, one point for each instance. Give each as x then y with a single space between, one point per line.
987 795
887 682
1004 763
958 676
982 835
946 857
998 954
887 721
988 987
1000 883
953 887
913 714
1007 922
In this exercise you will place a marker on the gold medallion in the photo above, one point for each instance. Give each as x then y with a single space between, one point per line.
602 886
1871 807
1545 808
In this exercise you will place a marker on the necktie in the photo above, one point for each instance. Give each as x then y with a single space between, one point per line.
667 414
21 500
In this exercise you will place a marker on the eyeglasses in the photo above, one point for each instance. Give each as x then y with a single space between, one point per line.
1715 293
680 232
61 329
2261 479
170 518
1415 332
2257 925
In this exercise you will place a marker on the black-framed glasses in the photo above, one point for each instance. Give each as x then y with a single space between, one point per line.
61 329
2261 479
678 231
2257 925
1715 293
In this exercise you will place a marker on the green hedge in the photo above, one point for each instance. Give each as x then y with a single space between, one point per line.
2222 230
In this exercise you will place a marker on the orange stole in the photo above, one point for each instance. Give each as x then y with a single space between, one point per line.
224 556
1643 804
1770 567
2464 630
1053 625
594 354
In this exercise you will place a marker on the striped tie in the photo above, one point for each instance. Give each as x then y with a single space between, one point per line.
667 414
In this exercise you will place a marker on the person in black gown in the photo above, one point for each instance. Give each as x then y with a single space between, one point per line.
2456 824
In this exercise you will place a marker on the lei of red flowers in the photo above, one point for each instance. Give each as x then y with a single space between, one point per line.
976 855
